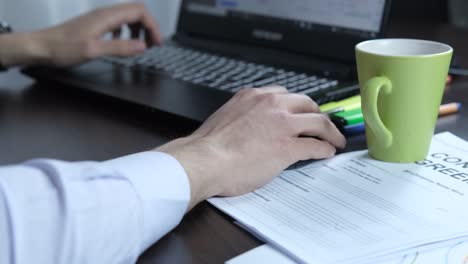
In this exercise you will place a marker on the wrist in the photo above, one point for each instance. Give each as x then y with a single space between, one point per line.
22 49
196 156
39 51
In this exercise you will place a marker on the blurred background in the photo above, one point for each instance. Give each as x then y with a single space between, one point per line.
27 15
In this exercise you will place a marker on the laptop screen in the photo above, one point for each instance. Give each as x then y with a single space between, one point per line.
328 28
359 17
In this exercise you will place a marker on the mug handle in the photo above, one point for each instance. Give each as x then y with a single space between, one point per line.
370 95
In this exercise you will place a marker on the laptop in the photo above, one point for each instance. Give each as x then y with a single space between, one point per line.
223 46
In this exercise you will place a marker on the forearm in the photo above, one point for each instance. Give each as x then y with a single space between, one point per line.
107 212
22 49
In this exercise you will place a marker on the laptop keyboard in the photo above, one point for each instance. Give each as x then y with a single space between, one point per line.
223 73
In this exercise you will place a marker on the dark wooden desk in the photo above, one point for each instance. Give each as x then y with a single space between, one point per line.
54 122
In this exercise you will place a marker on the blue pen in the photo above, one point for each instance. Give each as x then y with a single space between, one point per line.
354 129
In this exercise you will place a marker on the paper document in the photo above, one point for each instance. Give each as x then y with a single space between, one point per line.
353 209
262 254
456 253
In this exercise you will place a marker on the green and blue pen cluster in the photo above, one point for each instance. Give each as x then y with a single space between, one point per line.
346 115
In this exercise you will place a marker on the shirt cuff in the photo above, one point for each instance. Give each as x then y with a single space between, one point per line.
163 187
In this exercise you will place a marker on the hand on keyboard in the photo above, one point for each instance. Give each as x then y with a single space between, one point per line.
80 39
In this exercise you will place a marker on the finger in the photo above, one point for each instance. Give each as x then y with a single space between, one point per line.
130 13
273 89
252 92
311 148
318 125
300 103
120 48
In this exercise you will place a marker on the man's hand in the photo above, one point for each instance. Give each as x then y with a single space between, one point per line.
80 39
251 139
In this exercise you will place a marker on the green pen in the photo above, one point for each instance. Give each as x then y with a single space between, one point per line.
347 118
332 106
348 107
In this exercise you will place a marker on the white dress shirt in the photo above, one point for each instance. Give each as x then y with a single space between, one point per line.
89 212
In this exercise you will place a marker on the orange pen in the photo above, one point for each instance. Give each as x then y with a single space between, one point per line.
448 109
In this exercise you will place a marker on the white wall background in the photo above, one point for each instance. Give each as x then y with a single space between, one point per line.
26 15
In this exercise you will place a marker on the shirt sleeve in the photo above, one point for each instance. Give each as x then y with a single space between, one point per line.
89 212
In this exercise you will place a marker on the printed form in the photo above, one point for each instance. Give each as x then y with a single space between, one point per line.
353 209
456 252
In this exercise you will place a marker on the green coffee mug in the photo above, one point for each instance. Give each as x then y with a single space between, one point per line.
402 82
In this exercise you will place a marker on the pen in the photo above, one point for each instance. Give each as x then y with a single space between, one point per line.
445 109
329 107
347 118
350 123
354 129
458 71
448 109
344 108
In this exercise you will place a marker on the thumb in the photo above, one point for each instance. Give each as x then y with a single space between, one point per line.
121 47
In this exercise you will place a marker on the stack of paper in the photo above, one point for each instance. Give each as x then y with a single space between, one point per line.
353 209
